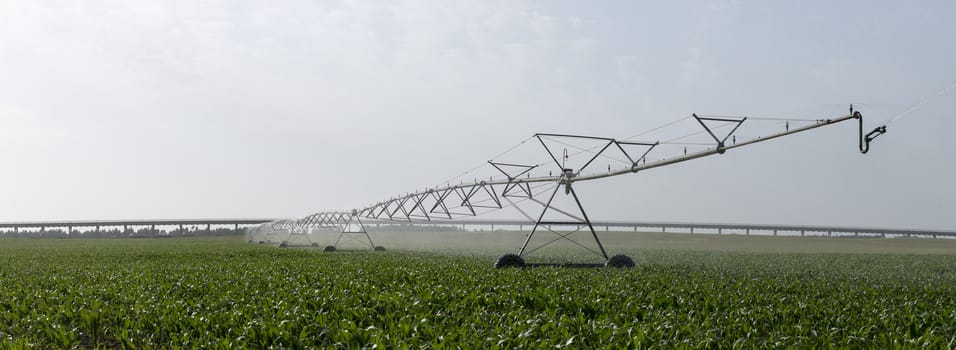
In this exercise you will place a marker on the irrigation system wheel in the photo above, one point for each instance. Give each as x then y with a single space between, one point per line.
379 248
329 248
619 261
284 244
509 260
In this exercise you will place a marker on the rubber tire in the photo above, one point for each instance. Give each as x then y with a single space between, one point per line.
379 248
509 260
329 248
619 261
284 244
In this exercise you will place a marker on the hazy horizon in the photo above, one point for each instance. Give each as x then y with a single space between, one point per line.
229 109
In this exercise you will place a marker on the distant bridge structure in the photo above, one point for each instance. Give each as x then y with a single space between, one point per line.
492 225
691 227
73 226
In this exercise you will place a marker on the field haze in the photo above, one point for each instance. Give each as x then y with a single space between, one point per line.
500 242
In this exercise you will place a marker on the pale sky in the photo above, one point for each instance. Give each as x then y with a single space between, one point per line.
208 109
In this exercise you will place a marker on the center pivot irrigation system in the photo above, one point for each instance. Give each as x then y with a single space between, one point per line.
517 184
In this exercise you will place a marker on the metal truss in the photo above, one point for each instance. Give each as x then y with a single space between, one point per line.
450 202
349 225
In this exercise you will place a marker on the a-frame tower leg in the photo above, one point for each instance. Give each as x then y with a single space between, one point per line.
347 232
517 260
